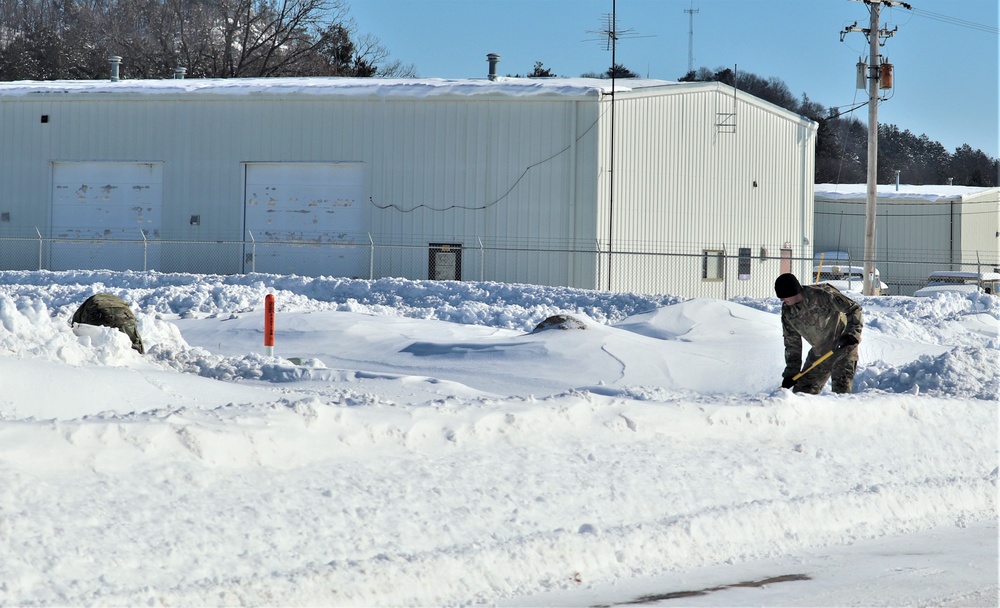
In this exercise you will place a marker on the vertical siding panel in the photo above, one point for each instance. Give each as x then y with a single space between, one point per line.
704 194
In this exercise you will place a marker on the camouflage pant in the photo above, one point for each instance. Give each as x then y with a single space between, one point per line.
840 367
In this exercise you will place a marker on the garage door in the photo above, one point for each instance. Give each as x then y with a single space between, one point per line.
106 215
305 218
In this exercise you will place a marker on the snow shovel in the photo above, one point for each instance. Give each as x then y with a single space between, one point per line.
836 352
822 358
813 366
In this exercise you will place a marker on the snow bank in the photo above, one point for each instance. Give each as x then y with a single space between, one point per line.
416 444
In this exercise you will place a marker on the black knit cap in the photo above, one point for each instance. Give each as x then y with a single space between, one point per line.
786 286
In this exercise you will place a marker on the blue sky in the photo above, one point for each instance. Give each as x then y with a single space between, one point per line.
945 52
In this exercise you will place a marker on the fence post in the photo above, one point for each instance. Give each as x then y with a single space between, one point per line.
39 247
253 252
482 260
725 274
371 258
597 253
145 246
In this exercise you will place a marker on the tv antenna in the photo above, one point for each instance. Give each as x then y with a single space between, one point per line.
610 34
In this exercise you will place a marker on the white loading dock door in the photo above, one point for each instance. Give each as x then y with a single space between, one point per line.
106 215
305 218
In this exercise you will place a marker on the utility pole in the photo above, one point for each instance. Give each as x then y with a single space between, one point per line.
610 36
691 11
613 39
875 37
871 193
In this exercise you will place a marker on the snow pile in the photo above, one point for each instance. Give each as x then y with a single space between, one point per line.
415 443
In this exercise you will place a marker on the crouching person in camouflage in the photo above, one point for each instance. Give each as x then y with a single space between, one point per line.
829 321
107 310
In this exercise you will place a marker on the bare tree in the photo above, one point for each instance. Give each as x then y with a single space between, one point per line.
44 39
371 55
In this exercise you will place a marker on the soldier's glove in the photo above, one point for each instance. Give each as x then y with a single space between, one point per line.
846 341
787 382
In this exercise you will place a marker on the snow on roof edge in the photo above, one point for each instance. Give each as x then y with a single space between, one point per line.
905 191
346 87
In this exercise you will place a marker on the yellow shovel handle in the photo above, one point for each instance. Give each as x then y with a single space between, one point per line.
811 367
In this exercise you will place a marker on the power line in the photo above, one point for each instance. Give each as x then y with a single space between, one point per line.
487 205
972 25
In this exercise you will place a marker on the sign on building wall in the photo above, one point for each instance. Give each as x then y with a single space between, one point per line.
444 262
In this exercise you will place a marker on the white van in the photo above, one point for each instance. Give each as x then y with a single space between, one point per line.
847 278
960 281
835 268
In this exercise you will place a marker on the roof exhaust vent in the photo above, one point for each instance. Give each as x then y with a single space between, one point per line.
115 62
179 73
494 59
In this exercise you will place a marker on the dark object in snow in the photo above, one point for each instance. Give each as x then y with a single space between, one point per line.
560 322
107 310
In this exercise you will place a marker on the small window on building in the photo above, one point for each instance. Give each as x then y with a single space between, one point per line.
744 267
444 262
713 265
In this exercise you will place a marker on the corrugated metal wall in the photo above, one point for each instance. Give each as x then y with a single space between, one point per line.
907 237
697 169
980 229
484 172
497 171
490 173
914 236
496 168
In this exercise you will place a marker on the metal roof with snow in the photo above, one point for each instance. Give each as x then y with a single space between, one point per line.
341 87
903 192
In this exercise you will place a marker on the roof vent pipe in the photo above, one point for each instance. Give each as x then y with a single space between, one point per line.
115 62
179 73
897 180
494 59
951 181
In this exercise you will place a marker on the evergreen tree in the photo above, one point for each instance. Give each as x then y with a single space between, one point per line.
540 72
616 71
620 71
970 167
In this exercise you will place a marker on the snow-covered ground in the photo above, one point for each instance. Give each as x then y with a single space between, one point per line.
416 443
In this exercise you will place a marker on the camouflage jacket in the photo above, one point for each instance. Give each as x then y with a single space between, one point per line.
109 311
821 318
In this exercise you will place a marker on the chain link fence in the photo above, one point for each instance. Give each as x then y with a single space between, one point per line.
689 270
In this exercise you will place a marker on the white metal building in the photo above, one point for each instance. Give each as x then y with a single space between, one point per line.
919 229
695 190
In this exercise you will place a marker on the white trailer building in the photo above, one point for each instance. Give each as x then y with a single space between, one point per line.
684 188
919 229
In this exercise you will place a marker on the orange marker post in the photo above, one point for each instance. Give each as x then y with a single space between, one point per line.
269 325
